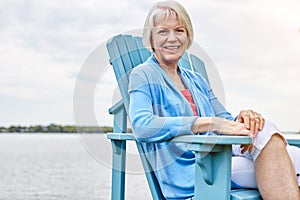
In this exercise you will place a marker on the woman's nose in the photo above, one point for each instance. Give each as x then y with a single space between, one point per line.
172 36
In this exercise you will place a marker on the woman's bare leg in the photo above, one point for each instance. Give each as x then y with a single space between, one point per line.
275 173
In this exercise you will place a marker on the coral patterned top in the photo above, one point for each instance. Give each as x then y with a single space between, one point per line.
188 95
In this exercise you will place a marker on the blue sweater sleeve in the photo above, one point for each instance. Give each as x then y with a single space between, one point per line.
218 107
149 126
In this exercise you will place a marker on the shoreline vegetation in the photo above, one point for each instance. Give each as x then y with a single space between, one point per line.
54 128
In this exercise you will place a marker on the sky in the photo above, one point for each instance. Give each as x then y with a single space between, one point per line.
45 46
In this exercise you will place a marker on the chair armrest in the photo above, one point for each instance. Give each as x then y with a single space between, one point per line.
116 108
211 143
216 139
192 139
293 138
293 141
120 136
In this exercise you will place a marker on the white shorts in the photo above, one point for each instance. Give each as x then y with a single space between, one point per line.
243 164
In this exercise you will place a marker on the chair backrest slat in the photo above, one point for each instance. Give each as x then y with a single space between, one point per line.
198 66
124 54
133 50
184 62
120 69
144 53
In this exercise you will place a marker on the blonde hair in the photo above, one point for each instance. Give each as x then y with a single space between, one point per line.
162 10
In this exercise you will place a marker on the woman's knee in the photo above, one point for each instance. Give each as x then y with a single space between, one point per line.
268 136
274 143
277 141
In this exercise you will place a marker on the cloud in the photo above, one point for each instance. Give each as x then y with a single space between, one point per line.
254 46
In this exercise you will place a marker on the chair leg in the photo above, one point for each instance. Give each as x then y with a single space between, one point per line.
213 174
118 169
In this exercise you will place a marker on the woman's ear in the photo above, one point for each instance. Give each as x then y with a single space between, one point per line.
151 43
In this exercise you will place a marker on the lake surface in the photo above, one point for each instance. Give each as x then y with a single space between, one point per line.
62 167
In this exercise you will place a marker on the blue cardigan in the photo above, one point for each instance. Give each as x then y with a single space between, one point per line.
158 111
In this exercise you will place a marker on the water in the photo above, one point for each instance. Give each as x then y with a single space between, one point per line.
58 167
63 167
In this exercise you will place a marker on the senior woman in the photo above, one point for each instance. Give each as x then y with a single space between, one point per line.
167 101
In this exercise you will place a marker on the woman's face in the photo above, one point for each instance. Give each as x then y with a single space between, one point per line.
169 41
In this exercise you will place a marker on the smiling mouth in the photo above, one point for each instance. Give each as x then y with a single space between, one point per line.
172 47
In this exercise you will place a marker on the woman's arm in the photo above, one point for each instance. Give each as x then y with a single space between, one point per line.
150 119
148 127
219 125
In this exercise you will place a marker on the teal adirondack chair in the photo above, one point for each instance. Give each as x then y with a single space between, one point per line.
213 181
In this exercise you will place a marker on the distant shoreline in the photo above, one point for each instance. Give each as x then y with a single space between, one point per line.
56 129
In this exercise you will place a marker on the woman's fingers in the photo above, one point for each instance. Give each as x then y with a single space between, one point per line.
262 122
235 128
252 120
246 147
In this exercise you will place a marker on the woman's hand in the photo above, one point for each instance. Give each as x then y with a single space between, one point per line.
220 125
227 127
252 120
224 126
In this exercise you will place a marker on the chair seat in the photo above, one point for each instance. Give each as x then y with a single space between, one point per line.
244 194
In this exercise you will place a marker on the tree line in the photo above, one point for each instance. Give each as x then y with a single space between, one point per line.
54 128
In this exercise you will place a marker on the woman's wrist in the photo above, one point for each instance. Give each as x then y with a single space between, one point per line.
217 124
202 124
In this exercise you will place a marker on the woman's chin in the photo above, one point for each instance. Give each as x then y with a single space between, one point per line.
173 58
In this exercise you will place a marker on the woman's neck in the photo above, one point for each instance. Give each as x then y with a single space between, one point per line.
172 71
169 68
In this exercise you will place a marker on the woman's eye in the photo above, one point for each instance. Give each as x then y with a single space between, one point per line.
162 32
181 30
